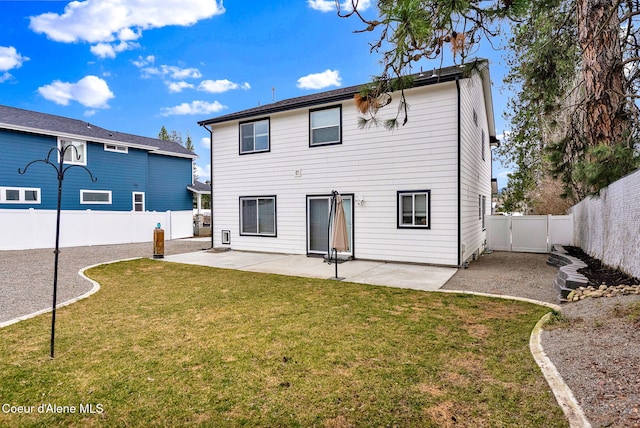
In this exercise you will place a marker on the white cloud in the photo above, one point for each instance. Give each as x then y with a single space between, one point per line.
330 5
105 50
195 107
147 68
119 22
203 173
219 86
320 80
143 62
205 142
90 91
178 86
9 59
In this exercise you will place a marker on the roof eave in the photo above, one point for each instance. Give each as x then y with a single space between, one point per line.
58 134
304 103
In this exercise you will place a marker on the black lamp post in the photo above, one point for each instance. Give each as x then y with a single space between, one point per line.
61 170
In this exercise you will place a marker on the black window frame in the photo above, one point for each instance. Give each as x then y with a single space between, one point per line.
257 199
330 143
399 223
253 122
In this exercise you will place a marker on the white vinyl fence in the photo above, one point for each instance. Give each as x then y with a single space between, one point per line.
607 226
530 233
29 229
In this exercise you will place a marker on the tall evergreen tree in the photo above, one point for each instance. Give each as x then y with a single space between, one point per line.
578 103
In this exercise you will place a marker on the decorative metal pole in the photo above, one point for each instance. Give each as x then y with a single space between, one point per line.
60 170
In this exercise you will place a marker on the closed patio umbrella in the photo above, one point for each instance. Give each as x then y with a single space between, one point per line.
340 235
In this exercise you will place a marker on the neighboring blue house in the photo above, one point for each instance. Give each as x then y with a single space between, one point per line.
134 173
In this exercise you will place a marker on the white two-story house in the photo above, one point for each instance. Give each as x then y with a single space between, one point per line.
418 193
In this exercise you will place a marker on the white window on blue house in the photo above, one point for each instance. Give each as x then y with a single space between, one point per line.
138 201
102 197
414 209
116 148
325 126
76 155
254 137
258 215
19 195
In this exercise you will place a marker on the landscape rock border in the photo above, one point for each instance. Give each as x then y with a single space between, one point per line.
574 286
568 278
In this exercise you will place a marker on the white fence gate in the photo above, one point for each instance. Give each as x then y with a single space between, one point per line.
530 233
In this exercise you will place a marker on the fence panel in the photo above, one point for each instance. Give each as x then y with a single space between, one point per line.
30 229
532 234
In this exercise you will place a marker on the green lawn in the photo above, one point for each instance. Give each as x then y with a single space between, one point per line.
165 344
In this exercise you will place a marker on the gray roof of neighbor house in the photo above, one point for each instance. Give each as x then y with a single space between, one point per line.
17 119
429 77
200 187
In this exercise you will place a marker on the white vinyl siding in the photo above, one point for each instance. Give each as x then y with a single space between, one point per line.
372 164
476 171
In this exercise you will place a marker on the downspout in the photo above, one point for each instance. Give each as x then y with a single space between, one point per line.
459 176
204 125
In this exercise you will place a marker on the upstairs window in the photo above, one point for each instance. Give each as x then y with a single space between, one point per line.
75 152
325 126
414 209
116 148
254 137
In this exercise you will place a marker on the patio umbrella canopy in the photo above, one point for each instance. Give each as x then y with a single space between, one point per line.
339 238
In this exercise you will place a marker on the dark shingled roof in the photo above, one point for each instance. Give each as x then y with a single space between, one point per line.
427 78
32 121
200 187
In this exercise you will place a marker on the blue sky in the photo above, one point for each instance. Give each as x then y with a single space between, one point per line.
137 65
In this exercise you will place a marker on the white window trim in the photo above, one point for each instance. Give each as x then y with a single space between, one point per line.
21 197
413 194
83 202
61 141
133 201
115 148
275 216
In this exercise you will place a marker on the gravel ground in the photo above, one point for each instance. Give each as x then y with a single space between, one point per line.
596 348
26 283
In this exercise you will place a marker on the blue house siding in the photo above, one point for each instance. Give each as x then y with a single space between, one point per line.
163 179
168 181
121 173
16 150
